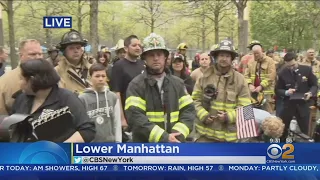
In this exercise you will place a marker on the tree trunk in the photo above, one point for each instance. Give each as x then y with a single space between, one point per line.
94 37
241 31
315 37
203 32
79 15
1 28
48 37
47 30
152 24
216 28
13 56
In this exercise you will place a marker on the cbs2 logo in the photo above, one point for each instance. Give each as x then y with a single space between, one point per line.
275 151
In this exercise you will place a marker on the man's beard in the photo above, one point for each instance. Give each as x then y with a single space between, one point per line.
154 71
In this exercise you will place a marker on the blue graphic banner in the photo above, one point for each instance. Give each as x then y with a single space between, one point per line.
209 168
44 152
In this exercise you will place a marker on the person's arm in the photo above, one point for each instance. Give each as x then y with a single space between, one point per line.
197 95
247 74
280 85
189 84
136 113
117 86
187 115
85 128
313 83
270 76
117 122
243 99
3 109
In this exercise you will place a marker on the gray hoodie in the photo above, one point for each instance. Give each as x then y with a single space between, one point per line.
104 109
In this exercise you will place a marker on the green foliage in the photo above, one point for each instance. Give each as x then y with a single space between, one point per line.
287 24
175 21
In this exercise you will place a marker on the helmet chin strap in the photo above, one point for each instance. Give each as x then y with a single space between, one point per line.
153 72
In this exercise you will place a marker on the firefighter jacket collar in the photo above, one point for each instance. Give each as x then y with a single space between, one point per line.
69 68
263 59
151 81
214 69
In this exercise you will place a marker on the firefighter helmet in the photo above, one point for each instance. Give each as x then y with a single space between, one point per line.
182 46
214 47
72 37
154 42
52 48
224 46
106 50
253 43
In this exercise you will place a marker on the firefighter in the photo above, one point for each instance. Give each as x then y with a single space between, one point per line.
53 54
216 96
74 65
244 61
158 107
182 49
261 75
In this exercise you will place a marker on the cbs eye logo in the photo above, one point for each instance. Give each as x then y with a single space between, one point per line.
275 151
43 152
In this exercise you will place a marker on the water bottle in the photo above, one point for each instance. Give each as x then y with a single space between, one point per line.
293 125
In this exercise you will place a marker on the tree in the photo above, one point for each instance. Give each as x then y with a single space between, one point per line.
94 37
10 8
152 13
81 12
44 8
242 25
215 11
292 26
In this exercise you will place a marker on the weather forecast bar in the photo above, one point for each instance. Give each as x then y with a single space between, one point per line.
169 160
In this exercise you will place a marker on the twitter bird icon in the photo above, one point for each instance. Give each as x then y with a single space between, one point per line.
77 160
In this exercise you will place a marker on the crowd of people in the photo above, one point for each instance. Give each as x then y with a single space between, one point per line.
148 94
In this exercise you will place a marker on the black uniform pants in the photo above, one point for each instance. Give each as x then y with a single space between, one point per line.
301 111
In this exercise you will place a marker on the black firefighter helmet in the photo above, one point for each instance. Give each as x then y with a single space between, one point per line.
224 46
52 48
71 37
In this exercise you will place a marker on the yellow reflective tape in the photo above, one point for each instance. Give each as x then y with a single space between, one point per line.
227 105
264 83
221 108
174 116
227 136
135 101
182 128
155 116
184 101
244 101
196 93
158 135
268 92
231 115
155 134
202 113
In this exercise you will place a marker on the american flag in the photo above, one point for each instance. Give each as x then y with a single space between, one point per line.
246 125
